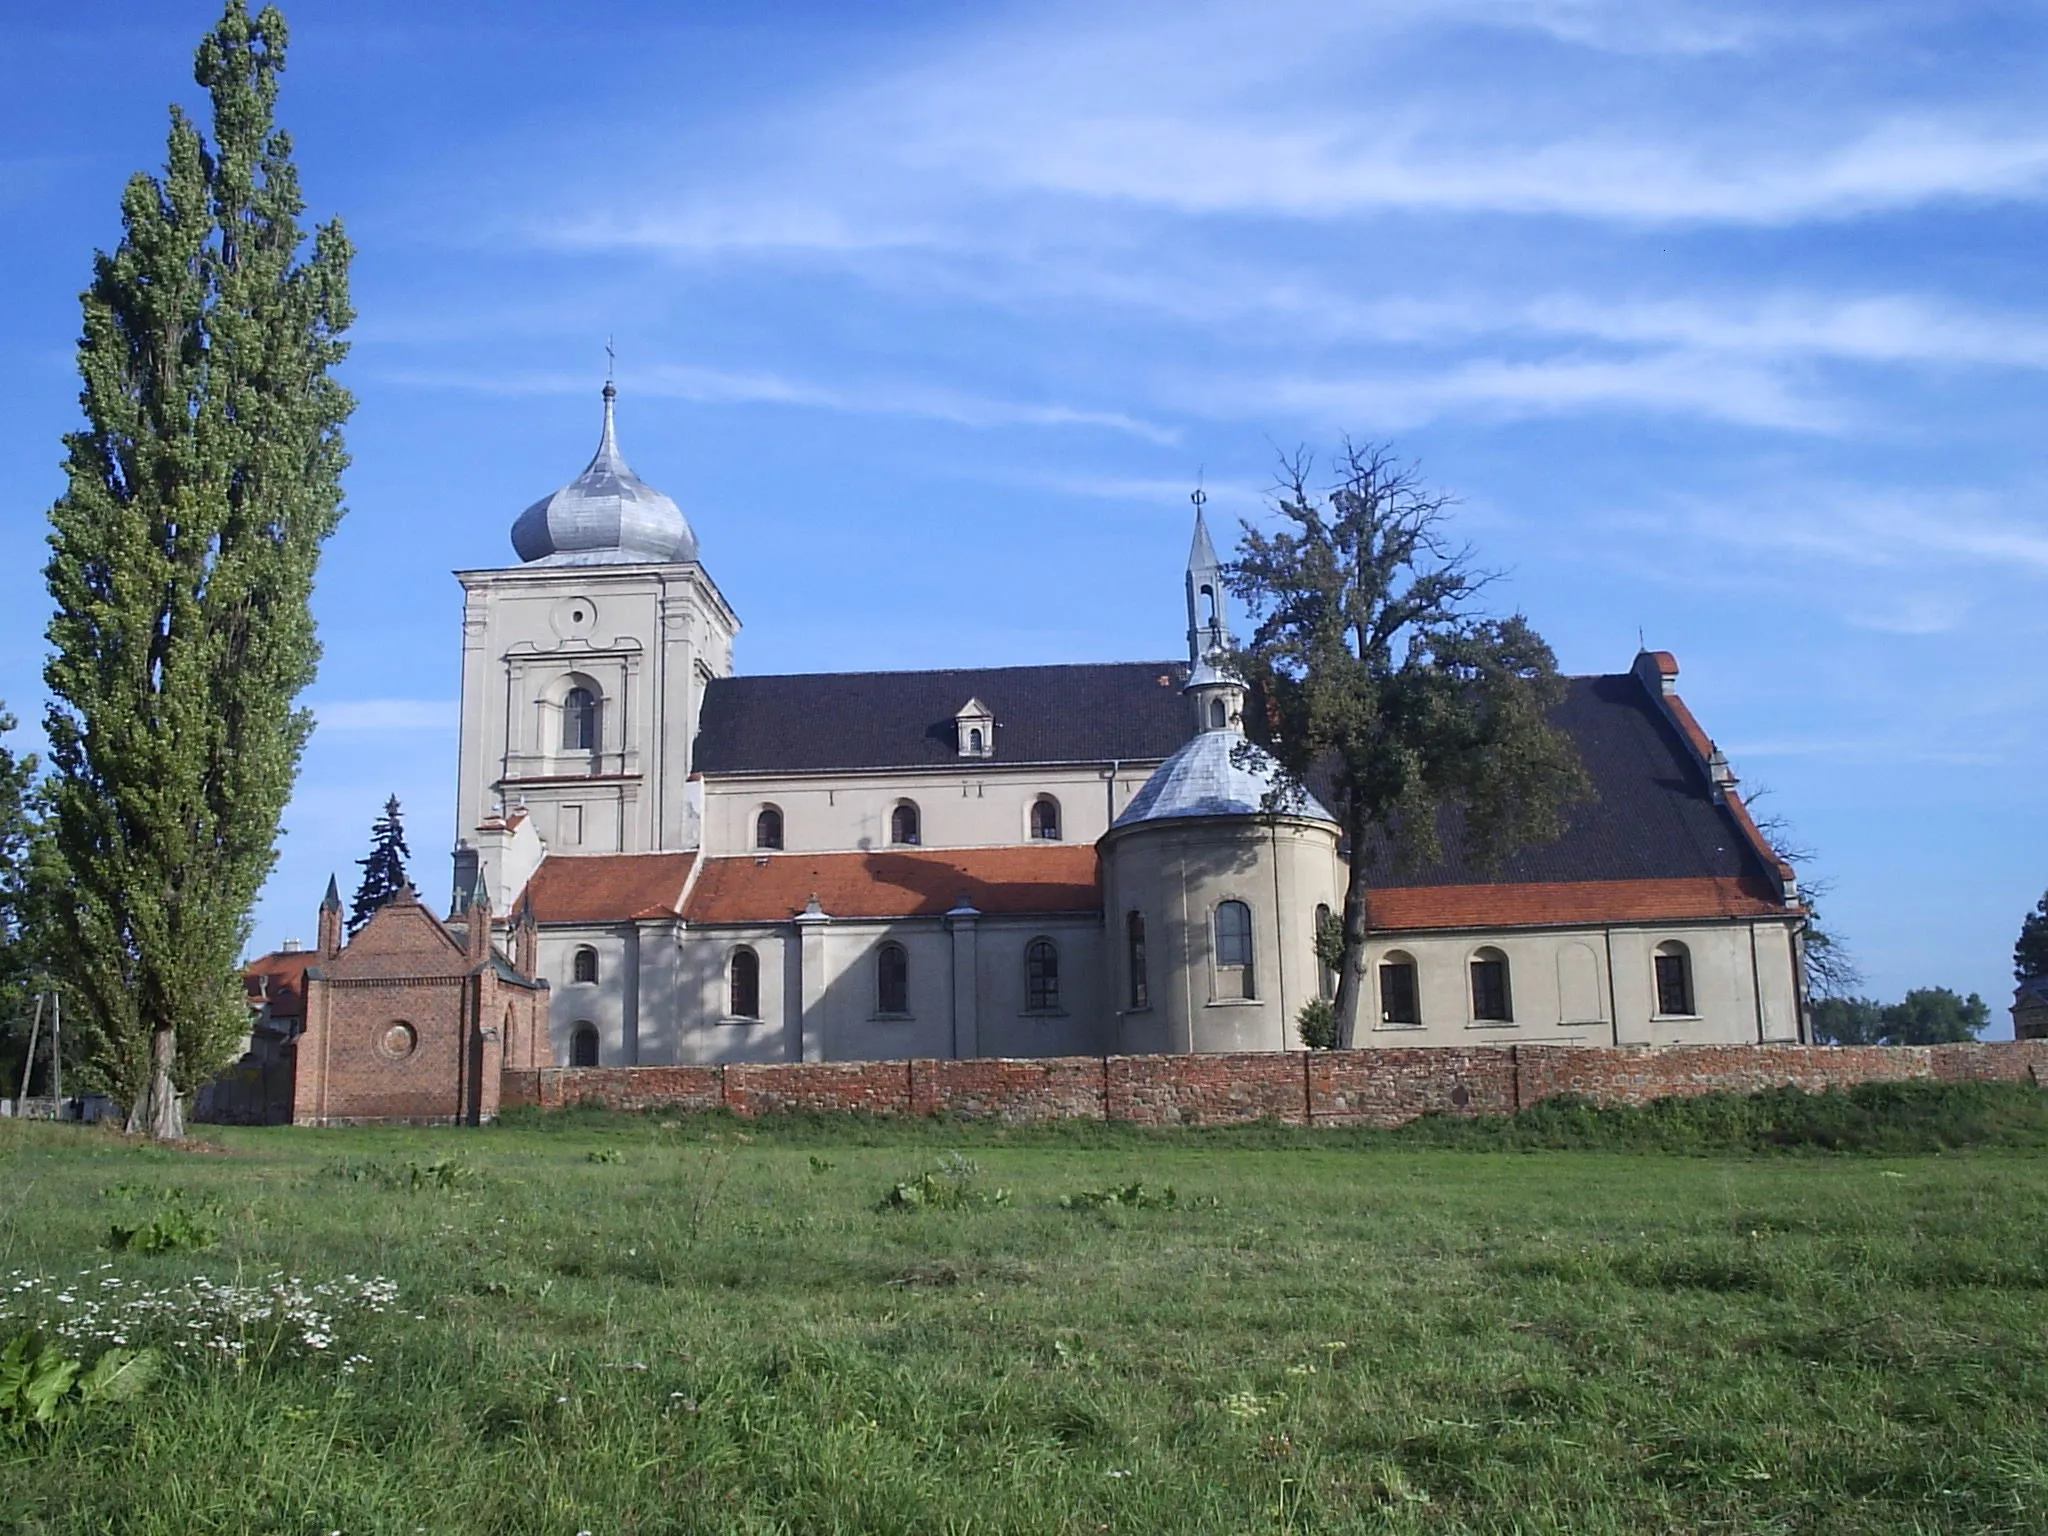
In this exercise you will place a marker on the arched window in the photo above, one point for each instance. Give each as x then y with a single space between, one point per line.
1234 950
1045 818
768 828
1400 1000
1208 607
976 742
583 1046
892 979
584 967
579 720
1492 999
1219 714
1326 976
1041 976
1134 948
903 824
1674 980
744 994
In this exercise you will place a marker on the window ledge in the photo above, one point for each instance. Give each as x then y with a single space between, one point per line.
742 1018
1492 1024
1674 1018
1234 1002
1045 1013
891 1018
1384 1027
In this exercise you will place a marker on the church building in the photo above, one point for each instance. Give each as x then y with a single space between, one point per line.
693 865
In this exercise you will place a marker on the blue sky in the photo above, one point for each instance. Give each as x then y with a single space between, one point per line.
1727 322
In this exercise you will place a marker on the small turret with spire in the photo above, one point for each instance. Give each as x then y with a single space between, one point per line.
1218 698
330 920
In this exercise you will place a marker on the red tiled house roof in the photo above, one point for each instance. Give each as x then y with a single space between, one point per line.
609 887
1042 879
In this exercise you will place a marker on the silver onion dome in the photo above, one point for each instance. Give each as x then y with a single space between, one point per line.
1219 773
605 516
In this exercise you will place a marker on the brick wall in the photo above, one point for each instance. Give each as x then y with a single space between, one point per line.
1369 1087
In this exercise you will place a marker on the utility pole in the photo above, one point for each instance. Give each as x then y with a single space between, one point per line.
28 1065
56 1052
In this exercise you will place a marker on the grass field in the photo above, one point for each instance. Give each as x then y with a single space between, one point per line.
620 1324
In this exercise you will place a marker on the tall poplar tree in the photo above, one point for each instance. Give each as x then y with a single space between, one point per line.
183 550
1369 666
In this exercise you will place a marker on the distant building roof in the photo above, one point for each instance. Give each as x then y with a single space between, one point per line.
1040 879
819 721
609 887
278 980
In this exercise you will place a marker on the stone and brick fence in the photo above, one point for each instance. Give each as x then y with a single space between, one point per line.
1367 1087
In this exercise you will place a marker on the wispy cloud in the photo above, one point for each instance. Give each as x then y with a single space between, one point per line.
744 387
386 715
1681 383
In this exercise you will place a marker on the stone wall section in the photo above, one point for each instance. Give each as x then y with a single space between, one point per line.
1367 1087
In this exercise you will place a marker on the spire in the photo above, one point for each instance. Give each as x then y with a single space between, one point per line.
332 901
1208 618
480 892
608 455
330 921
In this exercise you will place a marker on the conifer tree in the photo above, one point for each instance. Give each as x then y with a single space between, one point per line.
1368 664
183 551
384 870
2030 953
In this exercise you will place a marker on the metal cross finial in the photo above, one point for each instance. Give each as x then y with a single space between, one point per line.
611 359
1201 497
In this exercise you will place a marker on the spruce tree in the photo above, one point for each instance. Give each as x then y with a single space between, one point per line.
2030 953
1368 664
199 493
384 870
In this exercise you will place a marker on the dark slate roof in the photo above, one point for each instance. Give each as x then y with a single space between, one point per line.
1653 816
1128 710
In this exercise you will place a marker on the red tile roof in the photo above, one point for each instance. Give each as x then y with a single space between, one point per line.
1055 877
1586 901
280 979
608 887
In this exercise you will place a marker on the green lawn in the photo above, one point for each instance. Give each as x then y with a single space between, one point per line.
645 1326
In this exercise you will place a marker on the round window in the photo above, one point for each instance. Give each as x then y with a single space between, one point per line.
574 618
399 1040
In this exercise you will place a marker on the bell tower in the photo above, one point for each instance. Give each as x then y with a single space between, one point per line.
583 670
1216 696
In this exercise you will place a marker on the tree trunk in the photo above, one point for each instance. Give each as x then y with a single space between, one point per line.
156 1111
1351 989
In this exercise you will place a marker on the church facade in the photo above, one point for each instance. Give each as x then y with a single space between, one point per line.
662 861
1031 861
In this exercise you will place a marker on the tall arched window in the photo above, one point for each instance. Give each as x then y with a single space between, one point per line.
768 828
1492 997
1041 976
1219 714
1045 818
903 823
583 1046
976 742
579 720
744 993
584 967
1208 607
1674 980
1400 1001
892 979
1234 950
1134 951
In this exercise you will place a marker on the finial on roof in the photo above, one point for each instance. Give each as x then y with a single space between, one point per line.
611 366
332 901
480 892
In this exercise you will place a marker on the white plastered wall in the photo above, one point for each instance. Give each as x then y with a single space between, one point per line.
1744 985
977 805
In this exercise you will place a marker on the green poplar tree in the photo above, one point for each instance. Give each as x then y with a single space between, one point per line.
200 491
1368 664
384 870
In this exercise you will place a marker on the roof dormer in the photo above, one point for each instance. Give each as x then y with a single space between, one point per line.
974 727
